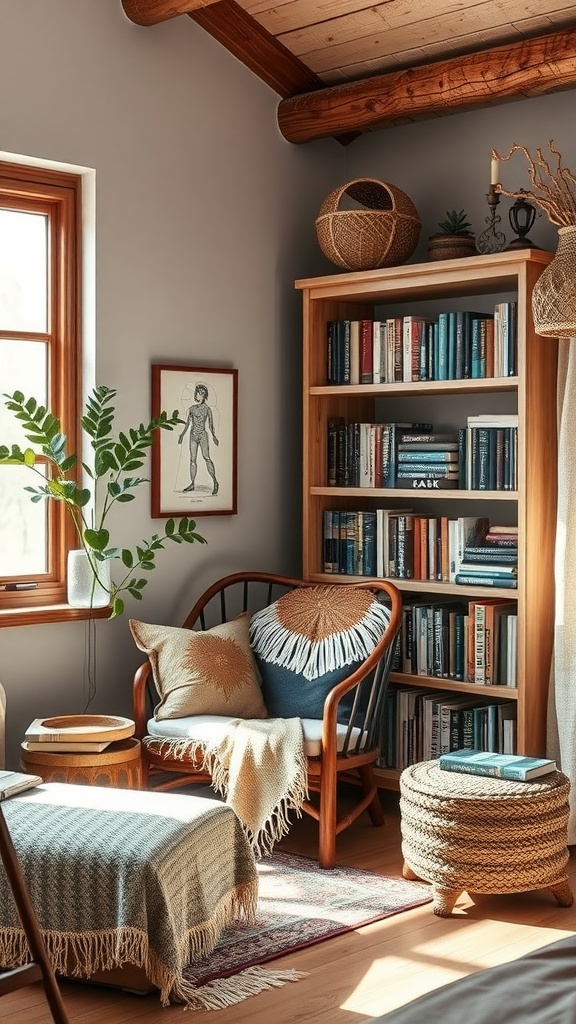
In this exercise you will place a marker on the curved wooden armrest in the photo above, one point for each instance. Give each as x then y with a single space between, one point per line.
139 713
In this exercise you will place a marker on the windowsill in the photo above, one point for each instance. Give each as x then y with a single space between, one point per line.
34 615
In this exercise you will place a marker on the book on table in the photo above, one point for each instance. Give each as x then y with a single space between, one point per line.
12 783
513 767
67 746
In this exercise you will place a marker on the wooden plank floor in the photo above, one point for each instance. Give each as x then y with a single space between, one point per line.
355 976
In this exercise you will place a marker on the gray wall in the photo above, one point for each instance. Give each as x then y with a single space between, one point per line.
204 218
444 164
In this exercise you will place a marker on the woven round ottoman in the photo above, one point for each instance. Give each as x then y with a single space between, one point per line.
478 834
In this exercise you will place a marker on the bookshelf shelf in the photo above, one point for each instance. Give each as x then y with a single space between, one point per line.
432 387
423 586
405 492
475 282
476 689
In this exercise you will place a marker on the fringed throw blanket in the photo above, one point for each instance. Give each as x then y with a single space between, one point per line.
118 876
260 768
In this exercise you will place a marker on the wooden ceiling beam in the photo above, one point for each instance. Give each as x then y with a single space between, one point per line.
152 12
261 53
533 67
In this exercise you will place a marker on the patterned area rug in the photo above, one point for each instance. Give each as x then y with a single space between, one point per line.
299 905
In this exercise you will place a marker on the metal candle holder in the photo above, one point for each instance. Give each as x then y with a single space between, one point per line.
492 239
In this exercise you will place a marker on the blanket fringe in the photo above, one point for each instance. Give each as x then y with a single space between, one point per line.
80 954
222 992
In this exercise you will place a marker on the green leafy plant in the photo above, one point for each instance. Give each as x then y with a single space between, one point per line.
116 458
455 223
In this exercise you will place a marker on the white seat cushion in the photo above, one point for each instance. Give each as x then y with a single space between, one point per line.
209 730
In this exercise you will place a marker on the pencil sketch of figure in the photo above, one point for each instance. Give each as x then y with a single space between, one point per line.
200 421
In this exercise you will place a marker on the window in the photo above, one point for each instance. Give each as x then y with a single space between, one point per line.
40 355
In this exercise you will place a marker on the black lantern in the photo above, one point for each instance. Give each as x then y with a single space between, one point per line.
521 216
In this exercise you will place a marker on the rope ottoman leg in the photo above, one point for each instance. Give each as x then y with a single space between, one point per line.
485 835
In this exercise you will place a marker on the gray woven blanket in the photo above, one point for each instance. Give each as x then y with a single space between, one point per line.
119 876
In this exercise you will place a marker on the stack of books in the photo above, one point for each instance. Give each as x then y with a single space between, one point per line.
491 560
88 734
427 461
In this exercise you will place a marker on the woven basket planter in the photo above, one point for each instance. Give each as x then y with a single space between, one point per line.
451 247
554 294
383 234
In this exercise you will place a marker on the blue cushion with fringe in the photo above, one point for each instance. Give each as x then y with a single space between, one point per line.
309 640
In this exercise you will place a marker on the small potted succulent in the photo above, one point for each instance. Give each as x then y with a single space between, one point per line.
454 238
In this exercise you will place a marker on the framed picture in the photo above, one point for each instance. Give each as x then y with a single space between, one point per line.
194 465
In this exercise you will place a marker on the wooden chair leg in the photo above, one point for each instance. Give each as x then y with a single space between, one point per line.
327 820
41 968
369 786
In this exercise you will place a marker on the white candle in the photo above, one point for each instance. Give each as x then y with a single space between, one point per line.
494 171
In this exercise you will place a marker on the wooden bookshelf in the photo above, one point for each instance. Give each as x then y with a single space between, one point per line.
432 287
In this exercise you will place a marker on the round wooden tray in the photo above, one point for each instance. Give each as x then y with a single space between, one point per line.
85 727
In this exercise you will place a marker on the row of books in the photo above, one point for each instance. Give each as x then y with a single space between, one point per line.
397 543
421 725
473 641
488 453
481 456
455 345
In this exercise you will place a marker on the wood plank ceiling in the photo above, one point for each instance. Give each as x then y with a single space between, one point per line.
343 67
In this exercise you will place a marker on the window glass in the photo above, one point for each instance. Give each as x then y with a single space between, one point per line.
23 365
23 524
23 271
40 356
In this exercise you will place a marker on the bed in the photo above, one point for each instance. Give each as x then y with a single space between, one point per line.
539 988
126 881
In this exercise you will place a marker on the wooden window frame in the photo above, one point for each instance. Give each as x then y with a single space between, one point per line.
58 195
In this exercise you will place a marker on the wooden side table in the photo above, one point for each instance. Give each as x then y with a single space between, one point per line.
119 766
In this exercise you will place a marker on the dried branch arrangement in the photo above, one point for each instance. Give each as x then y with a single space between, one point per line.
556 189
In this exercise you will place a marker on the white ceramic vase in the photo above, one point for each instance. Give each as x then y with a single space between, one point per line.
83 590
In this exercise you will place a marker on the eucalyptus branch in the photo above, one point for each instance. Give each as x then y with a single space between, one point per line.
115 458
554 190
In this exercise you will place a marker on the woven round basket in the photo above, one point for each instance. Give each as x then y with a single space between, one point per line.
382 234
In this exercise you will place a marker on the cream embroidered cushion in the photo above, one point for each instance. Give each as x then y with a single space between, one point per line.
204 672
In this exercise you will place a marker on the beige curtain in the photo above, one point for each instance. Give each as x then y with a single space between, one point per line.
562 703
2 726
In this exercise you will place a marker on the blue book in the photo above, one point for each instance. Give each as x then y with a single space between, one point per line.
469 579
476 346
369 544
500 766
452 328
442 365
429 455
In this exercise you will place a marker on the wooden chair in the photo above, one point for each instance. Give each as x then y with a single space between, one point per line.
350 758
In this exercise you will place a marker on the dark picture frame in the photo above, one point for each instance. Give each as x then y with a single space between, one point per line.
194 466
